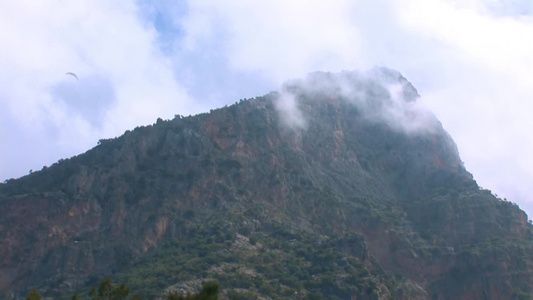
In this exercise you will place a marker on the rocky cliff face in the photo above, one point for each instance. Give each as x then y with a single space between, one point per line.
339 186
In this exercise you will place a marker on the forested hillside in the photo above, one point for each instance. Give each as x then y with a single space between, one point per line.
338 186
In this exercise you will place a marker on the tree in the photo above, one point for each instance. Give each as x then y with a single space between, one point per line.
75 297
209 291
34 295
108 291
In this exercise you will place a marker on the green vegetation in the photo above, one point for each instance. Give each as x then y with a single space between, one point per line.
34 295
282 264
347 208
209 291
107 290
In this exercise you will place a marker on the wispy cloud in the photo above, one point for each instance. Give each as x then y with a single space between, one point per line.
124 80
382 95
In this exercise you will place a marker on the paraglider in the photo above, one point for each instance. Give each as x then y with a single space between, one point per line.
72 74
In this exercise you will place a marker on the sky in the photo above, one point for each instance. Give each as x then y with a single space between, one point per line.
470 60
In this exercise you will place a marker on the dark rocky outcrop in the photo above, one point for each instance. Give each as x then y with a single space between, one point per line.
339 181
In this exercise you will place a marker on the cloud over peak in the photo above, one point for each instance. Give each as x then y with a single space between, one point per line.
381 95
471 61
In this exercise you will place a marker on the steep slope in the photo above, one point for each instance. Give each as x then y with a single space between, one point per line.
338 185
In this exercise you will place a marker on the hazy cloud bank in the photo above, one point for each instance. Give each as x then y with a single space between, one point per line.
382 95
471 61
124 80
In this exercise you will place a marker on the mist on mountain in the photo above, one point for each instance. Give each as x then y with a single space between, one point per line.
337 186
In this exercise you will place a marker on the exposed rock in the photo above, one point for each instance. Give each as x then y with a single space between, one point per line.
339 182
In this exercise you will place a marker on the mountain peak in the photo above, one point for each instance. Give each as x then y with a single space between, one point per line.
339 184
380 95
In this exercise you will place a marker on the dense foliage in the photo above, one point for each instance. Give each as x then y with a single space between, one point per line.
345 205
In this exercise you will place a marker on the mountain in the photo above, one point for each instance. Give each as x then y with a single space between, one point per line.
338 186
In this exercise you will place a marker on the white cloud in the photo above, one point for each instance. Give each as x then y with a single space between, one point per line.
284 39
471 61
484 99
290 113
124 81
383 95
